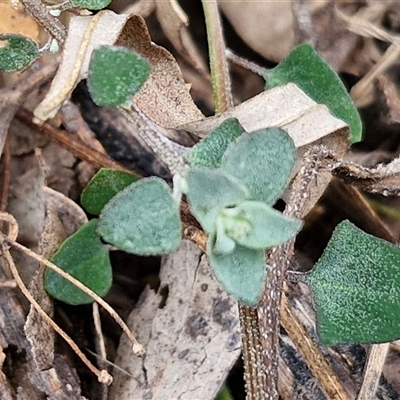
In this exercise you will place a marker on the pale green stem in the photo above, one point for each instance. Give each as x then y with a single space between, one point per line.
221 83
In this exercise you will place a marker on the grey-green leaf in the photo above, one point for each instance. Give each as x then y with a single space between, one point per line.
16 52
312 74
86 258
258 226
208 152
115 75
241 272
210 190
356 288
262 161
103 187
142 219
91 4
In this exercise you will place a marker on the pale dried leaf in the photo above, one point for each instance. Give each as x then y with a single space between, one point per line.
39 334
291 109
266 26
63 218
285 106
191 341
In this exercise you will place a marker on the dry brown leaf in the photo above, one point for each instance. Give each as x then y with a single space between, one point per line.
192 338
15 19
164 98
39 334
63 218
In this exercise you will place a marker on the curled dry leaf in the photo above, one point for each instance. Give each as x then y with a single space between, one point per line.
190 331
291 109
63 218
164 98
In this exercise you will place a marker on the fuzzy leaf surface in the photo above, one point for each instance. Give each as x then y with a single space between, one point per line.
210 190
209 151
262 161
312 74
86 258
241 272
142 219
91 4
115 75
258 226
356 288
16 52
103 187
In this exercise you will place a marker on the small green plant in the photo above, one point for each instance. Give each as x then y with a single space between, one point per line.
231 181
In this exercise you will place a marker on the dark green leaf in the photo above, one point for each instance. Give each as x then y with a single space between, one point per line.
115 75
210 190
258 226
209 151
103 187
142 219
83 256
262 161
304 67
241 272
356 288
16 52
91 4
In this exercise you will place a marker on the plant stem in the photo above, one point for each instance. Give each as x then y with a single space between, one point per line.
221 83
279 260
52 24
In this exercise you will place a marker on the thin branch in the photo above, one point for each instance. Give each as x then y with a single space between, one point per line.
315 360
136 347
103 376
52 24
373 371
72 144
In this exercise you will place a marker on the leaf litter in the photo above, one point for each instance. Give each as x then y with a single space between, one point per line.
166 101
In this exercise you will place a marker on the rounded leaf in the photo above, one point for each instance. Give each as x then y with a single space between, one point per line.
242 272
262 161
210 190
258 226
312 74
85 257
16 52
103 187
356 288
115 75
142 219
91 4
208 152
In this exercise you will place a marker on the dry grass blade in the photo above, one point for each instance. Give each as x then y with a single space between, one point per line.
313 357
373 371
